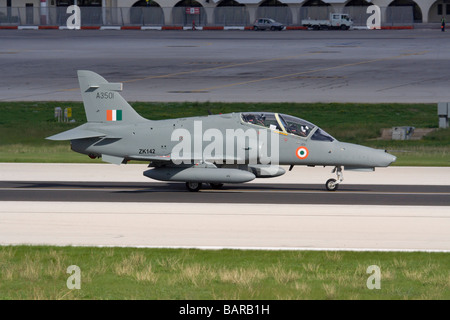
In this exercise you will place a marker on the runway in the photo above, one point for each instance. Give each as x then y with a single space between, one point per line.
97 208
254 193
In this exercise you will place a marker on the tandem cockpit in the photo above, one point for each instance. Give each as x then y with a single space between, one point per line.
287 124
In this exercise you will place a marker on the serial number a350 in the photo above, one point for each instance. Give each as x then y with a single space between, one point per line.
105 95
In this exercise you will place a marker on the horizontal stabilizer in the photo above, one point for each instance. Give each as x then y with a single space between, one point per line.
76 133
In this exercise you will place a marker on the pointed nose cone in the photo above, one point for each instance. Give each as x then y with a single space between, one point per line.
388 158
380 158
361 156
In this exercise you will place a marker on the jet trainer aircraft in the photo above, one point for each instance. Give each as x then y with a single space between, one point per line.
214 149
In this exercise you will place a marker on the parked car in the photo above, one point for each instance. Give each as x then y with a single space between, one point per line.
266 23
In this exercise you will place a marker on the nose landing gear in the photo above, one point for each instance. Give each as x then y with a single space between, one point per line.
333 184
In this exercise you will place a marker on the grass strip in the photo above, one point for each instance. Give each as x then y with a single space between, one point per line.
40 272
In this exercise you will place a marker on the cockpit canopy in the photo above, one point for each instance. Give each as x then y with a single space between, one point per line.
287 124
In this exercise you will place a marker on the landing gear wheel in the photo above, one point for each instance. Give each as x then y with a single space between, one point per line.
331 185
193 186
216 186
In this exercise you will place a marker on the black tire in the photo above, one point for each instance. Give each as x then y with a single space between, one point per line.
331 185
255 28
216 186
193 186
343 27
272 28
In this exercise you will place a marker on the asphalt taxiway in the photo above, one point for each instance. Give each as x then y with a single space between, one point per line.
367 66
81 204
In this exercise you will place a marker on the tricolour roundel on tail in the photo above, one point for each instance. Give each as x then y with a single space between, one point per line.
102 100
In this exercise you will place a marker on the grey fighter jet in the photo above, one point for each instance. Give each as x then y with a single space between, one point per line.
214 149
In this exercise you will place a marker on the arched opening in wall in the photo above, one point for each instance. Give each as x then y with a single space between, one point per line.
187 12
357 10
275 10
399 10
231 13
315 9
146 13
358 3
438 10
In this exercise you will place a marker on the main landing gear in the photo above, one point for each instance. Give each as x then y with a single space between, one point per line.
333 184
196 186
193 186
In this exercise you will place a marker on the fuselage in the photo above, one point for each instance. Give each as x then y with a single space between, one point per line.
234 138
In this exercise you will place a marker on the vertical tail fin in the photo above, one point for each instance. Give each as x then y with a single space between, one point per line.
102 101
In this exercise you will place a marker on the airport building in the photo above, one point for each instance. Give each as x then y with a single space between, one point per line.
216 12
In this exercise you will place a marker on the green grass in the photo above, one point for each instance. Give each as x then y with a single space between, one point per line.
40 272
24 125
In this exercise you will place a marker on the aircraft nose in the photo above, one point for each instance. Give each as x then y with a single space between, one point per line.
393 158
386 159
361 156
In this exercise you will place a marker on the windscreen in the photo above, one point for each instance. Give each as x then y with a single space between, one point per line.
297 126
321 135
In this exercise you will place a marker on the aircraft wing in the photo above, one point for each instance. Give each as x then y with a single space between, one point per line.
153 158
155 161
